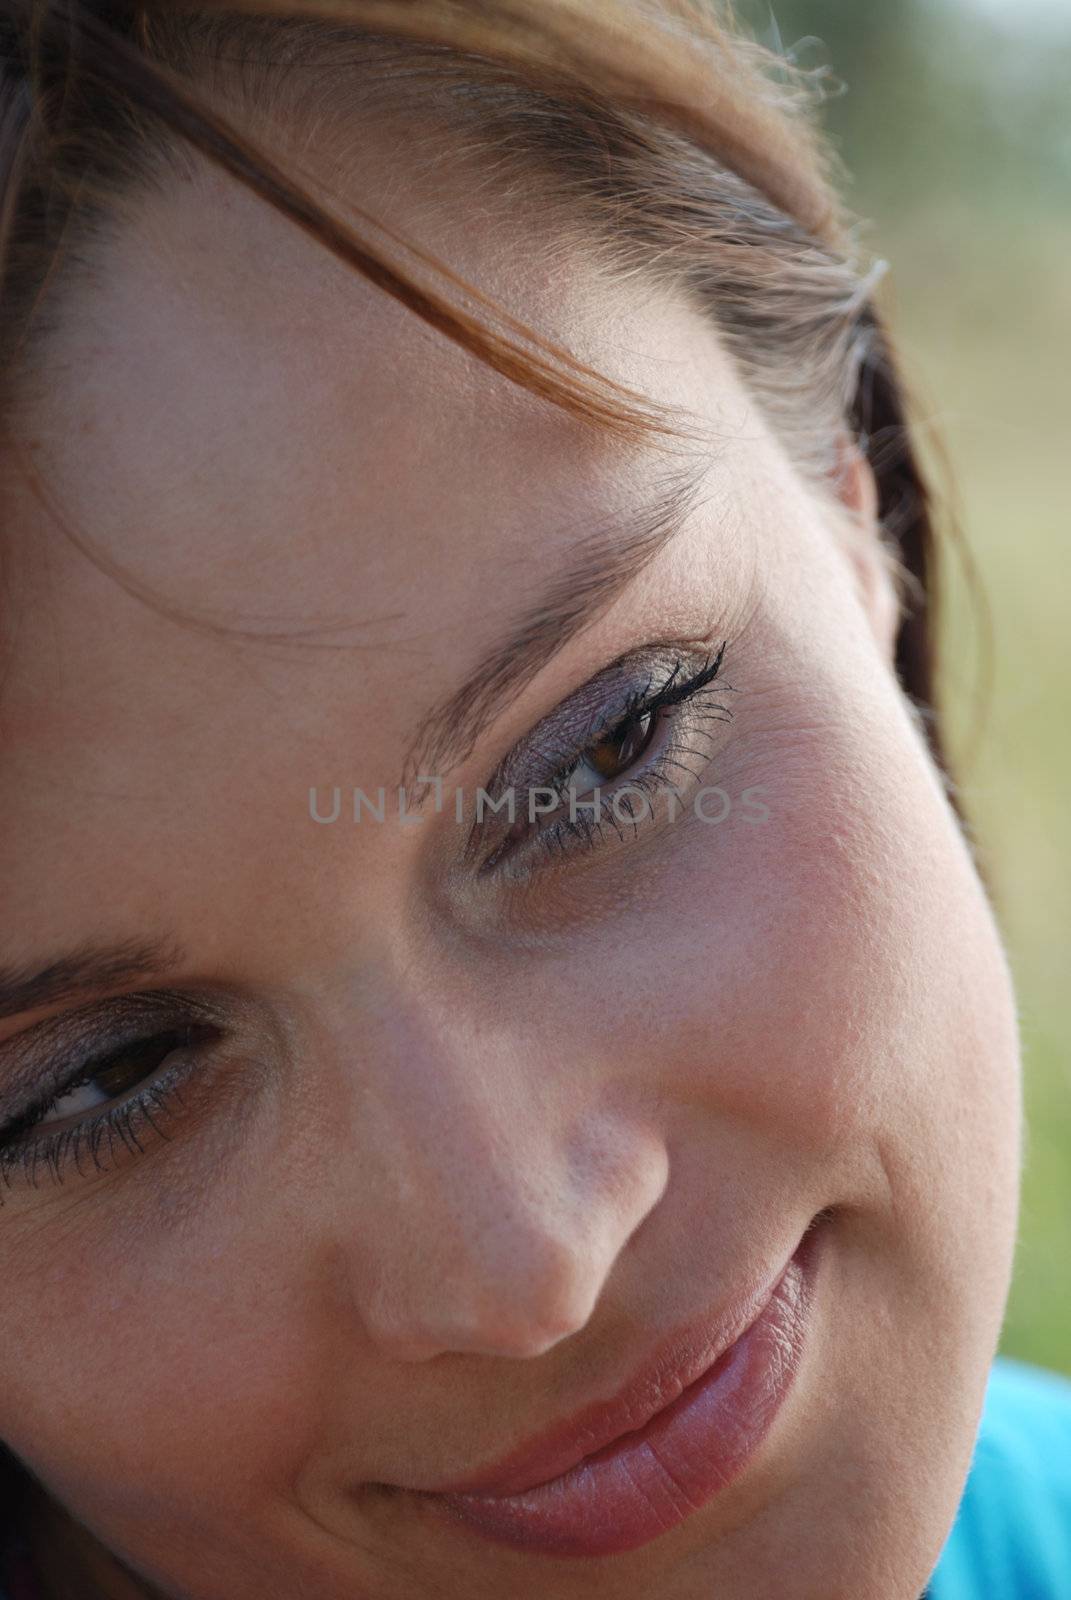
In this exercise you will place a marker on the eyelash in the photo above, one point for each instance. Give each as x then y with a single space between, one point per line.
122 1123
673 696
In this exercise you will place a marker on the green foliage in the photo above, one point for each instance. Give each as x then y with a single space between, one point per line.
936 94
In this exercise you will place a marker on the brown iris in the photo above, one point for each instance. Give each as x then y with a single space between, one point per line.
616 751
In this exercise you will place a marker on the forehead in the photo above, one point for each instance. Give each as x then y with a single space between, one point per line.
247 430
240 415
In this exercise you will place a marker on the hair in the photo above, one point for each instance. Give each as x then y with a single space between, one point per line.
653 134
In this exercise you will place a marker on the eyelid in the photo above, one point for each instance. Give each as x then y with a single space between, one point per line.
629 669
48 1057
195 1036
213 1088
673 702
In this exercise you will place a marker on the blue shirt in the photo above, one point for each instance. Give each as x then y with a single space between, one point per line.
1011 1539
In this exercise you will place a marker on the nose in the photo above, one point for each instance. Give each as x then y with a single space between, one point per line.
488 1196
519 1301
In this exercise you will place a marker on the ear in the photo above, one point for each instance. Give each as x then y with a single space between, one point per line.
872 562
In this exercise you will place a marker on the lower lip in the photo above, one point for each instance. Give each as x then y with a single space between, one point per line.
649 1481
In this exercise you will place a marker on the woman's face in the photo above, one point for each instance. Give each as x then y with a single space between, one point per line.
444 1128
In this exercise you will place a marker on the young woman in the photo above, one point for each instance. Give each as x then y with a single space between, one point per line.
509 1080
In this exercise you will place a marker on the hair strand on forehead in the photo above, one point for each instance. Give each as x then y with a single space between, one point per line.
650 133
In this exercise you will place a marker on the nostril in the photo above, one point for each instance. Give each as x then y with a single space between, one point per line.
552 1300
526 1313
524 1338
499 1333
398 1339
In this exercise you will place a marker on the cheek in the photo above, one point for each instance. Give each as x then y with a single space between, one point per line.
185 1368
829 979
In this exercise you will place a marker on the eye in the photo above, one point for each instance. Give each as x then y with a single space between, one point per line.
629 750
611 756
113 1092
116 1075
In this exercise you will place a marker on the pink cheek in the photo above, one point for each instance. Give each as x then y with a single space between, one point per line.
771 990
157 1371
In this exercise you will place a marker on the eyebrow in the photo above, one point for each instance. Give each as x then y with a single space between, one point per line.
601 566
86 971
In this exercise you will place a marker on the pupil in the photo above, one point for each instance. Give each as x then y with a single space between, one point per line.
620 748
137 1061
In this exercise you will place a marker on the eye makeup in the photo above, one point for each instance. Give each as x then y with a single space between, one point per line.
93 1096
641 727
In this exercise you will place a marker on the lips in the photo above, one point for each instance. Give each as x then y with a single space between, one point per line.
617 1475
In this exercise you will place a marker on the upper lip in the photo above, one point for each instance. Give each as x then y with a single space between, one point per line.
677 1360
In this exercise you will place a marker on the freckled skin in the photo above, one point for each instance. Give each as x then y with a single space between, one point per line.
476 1146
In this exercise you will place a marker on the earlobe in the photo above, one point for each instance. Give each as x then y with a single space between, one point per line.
872 562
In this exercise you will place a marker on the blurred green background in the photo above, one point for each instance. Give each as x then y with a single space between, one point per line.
954 119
